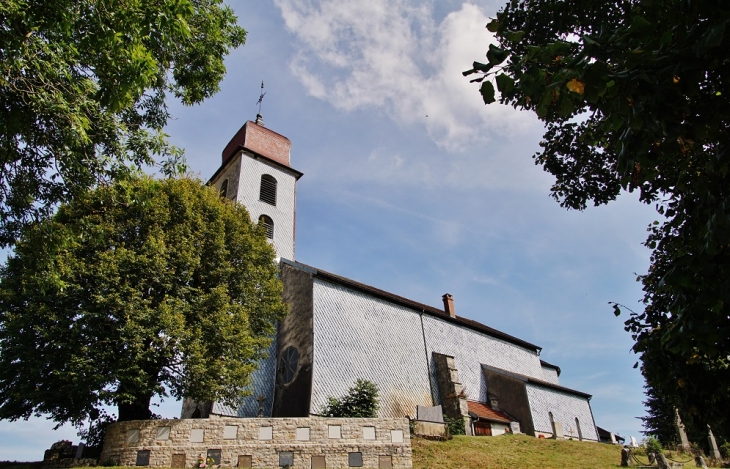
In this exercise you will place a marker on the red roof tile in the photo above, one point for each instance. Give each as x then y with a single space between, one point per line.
485 412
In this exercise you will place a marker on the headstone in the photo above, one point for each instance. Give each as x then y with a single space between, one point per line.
286 458
143 458
430 414
213 458
385 462
652 458
633 442
163 433
79 451
354 459
178 460
514 427
334 431
396 436
625 457
246 460
368 433
713 445
558 430
700 461
302 434
684 442
613 439
197 435
266 433
662 462
319 462
133 436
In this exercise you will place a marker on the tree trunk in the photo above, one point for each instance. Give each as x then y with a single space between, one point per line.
137 410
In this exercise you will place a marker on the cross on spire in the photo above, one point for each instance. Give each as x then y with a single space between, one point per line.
259 117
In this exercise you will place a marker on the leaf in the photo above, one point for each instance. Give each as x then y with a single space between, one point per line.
514 36
495 55
493 26
487 91
505 83
576 86
713 37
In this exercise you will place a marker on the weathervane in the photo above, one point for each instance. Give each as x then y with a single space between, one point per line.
261 98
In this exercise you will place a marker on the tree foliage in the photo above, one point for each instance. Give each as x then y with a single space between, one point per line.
634 95
83 86
361 401
138 289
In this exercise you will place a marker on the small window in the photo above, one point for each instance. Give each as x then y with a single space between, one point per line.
224 189
268 189
268 224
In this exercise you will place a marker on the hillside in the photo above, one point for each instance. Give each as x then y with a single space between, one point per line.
513 452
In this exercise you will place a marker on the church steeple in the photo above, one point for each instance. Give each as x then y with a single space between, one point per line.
256 172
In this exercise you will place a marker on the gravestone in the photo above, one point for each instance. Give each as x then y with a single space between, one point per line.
319 462
354 459
178 460
430 414
713 445
215 455
385 462
80 451
684 442
246 460
662 462
286 458
558 431
143 458
633 442
514 427
625 457
700 462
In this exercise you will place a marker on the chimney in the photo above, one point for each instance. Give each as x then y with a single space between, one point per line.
449 305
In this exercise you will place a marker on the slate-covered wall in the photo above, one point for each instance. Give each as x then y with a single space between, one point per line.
359 336
471 349
282 214
550 375
565 408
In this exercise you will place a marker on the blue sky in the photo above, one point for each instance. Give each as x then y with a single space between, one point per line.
413 186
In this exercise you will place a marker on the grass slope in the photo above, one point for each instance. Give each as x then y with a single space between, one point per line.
513 452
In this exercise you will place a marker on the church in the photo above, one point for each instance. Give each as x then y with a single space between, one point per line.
339 330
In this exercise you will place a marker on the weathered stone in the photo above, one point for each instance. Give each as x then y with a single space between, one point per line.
700 461
391 443
625 457
633 442
430 429
684 442
430 414
558 431
713 445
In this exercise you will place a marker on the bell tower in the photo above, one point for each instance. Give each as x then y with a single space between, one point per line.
256 172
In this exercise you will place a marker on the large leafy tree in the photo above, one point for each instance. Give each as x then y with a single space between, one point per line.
83 86
137 289
634 95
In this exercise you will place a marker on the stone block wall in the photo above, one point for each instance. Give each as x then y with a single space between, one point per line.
265 442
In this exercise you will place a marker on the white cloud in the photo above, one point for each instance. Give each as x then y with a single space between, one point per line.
391 56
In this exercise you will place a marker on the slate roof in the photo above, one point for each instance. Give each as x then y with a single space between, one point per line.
430 310
550 365
535 381
484 412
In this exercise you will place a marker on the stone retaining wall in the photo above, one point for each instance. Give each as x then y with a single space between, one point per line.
261 442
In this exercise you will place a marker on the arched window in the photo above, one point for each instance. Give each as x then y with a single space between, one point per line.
268 225
224 189
577 427
268 189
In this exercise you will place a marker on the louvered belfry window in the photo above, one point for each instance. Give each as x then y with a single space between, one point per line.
268 225
268 189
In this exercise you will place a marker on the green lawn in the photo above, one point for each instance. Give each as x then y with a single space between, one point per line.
513 452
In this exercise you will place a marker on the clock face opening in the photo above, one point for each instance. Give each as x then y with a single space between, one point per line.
288 364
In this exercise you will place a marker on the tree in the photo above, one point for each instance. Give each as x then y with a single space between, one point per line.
138 289
361 401
82 91
634 96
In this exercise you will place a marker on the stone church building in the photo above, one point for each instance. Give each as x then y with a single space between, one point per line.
339 330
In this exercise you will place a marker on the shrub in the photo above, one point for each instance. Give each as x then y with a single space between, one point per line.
652 445
454 426
361 401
